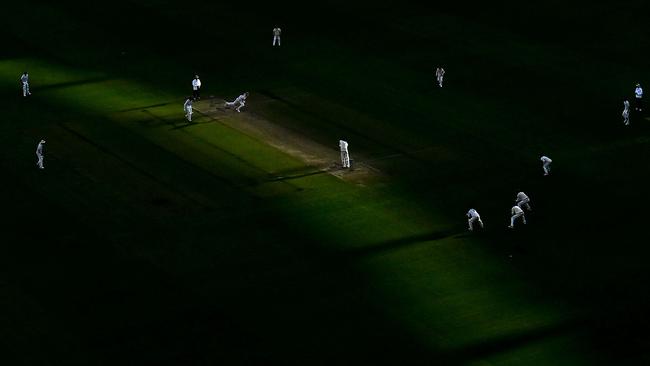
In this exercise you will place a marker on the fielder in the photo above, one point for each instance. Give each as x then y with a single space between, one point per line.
626 113
472 217
276 35
638 94
516 212
440 74
239 102
24 79
546 164
196 88
39 154
522 201
345 155
187 108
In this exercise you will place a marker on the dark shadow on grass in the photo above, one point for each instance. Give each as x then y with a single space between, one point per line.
190 124
143 172
143 107
297 176
491 347
158 118
294 171
174 123
318 117
71 84
396 244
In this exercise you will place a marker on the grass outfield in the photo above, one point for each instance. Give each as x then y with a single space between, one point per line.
150 241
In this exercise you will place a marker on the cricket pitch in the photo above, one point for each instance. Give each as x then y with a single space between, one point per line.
291 142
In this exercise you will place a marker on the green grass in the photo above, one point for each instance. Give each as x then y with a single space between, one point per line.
152 242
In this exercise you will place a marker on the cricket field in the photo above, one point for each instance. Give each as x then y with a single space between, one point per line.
236 239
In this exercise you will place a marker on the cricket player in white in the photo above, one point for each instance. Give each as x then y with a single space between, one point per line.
276 35
638 94
440 73
39 154
546 164
522 201
472 217
196 88
626 113
187 108
345 155
516 212
239 102
24 79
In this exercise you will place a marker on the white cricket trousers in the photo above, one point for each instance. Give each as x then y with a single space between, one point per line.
232 104
39 163
188 114
345 159
276 38
547 168
26 89
440 81
515 217
473 220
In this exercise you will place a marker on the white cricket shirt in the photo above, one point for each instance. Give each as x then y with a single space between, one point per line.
343 145
241 98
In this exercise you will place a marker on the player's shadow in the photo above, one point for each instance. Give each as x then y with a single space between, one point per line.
143 107
72 83
175 124
395 244
301 172
190 124
297 176
516 340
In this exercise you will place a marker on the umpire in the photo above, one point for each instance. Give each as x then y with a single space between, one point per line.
196 88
